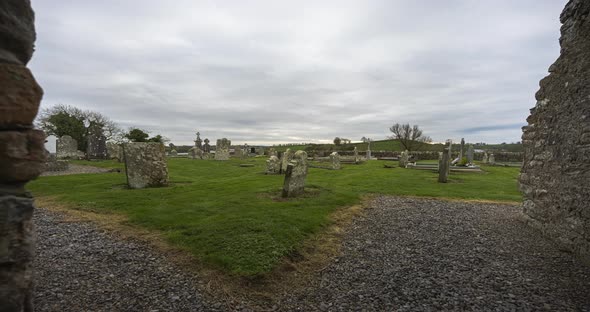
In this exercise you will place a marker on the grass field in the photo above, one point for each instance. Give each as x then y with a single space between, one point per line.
232 217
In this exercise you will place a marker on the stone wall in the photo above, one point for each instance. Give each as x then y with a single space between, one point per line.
145 164
555 177
22 154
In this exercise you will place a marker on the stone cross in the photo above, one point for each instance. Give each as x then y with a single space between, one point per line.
206 147
198 143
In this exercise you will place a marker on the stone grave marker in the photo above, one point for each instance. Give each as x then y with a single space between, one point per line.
273 165
335 161
66 148
295 175
145 164
222 149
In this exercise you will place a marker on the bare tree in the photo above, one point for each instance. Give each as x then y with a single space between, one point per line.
410 137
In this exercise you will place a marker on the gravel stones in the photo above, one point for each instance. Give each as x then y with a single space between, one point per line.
408 254
82 268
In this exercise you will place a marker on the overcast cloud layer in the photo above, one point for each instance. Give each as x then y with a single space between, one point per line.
264 72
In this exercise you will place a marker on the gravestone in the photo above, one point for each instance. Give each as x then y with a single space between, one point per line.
66 148
492 159
260 151
295 175
462 152
198 142
206 147
285 159
97 146
449 151
195 153
444 165
245 153
273 165
470 154
173 153
357 159
54 164
222 149
238 152
485 158
335 161
368 154
555 175
114 150
404 159
145 164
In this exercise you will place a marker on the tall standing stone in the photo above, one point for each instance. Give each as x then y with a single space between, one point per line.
470 154
444 164
449 151
238 152
145 164
335 161
222 149
462 152
66 147
555 175
285 159
273 165
22 154
295 175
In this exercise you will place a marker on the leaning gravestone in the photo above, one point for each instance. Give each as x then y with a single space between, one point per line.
285 159
273 165
555 175
97 147
222 149
66 148
145 164
335 161
295 175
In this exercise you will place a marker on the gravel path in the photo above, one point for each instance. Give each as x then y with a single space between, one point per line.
411 254
76 169
81 268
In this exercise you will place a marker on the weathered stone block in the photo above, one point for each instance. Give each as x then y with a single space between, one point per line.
222 149
57 165
22 155
555 174
273 165
145 164
97 147
66 148
17 31
20 96
295 175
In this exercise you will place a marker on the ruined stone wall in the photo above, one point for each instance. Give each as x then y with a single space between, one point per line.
555 177
22 154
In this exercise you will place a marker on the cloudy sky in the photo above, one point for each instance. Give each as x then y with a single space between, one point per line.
264 72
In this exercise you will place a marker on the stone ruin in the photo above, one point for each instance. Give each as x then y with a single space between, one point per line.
145 164
273 165
404 159
97 146
222 149
555 176
295 175
285 159
22 154
66 147
335 161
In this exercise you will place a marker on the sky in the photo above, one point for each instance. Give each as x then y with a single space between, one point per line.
270 72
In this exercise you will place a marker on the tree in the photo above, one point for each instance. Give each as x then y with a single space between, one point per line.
139 135
61 120
337 141
410 137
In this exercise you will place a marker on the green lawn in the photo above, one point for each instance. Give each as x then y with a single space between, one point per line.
232 218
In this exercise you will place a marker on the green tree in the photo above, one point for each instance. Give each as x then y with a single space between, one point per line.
337 141
136 135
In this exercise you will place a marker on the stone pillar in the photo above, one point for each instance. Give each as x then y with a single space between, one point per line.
470 154
449 151
22 154
461 153
555 175
222 149
145 164
335 160
444 165
295 176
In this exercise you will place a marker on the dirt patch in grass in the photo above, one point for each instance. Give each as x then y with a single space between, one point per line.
259 292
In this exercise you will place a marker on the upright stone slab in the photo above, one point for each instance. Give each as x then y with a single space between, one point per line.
470 154
222 149
335 161
444 166
145 164
485 158
97 146
462 152
357 159
492 159
449 151
295 175
195 153
114 150
403 159
238 152
206 147
22 155
173 153
555 176
273 165
285 159
66 147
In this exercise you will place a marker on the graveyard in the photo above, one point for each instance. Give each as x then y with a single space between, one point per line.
234 218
